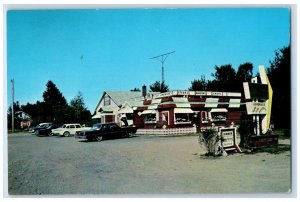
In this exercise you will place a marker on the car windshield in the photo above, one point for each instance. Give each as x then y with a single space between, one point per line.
97 126
49 127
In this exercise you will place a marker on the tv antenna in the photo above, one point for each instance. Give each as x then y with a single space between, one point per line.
162 58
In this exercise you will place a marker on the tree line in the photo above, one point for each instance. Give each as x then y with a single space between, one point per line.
54 108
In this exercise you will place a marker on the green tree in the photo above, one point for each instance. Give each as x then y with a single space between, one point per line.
135 90
199 84
244 74
9 116
225 78
159 87
56 106
78 109
279 74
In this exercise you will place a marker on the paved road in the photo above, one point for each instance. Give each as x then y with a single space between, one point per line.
137 165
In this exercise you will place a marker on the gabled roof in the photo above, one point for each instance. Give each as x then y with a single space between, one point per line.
120 97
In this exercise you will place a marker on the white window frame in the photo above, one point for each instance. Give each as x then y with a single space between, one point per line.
181 123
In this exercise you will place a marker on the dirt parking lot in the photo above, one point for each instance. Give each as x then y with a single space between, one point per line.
139 165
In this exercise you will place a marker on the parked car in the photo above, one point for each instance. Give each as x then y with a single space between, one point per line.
38 127
68 129
47 130
102 131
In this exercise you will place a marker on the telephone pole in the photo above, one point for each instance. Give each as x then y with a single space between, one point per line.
12 106
162 58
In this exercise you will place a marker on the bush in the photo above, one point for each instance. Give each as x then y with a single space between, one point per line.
209 140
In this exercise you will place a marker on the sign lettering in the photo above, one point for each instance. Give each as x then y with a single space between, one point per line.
256 108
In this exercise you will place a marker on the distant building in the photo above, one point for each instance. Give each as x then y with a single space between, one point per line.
24 118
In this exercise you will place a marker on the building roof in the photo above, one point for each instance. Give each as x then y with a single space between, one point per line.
119 97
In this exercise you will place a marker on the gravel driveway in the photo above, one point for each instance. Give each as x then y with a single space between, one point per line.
138 165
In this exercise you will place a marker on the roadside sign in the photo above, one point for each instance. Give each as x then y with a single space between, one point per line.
256 108
228 140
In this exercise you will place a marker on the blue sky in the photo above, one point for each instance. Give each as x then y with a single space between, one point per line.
96 50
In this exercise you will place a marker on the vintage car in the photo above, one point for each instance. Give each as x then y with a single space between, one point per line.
47 130
68 129
36 128
102 131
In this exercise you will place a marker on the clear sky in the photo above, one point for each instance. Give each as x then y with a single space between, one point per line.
96 50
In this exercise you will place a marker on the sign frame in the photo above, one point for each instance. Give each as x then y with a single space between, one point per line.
233 145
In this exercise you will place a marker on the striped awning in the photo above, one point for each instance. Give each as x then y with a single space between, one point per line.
234 103
219 110
149 111
183 111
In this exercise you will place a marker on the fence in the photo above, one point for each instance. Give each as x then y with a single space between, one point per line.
166 131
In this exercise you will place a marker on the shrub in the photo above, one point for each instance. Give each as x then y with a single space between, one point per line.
209 140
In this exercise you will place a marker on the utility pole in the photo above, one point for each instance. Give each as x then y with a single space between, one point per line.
12 106
162 58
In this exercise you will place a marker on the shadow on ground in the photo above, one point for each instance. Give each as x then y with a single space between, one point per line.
276 149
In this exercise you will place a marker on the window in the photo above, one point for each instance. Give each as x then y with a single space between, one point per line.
78 126
150 118
183 118
72 126
218 117
106 100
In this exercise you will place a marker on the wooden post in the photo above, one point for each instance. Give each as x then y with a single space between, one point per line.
12 107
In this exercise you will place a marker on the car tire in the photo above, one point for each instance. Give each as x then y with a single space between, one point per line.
50 134
36 132
66 134
99 138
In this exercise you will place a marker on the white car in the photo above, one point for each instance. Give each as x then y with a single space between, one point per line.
68 129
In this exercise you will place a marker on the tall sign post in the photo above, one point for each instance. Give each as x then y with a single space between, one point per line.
258 98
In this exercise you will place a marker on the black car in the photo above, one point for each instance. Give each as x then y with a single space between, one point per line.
47 130
102 131
40 126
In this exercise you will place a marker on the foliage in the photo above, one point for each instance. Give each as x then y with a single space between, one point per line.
78 110
279 74
225 79
9 116
199 84
209 140
135 90
54 108
159 87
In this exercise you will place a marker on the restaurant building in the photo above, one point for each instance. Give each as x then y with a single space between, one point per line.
200 109
196 110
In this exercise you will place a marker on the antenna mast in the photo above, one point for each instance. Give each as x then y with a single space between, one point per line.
162 58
